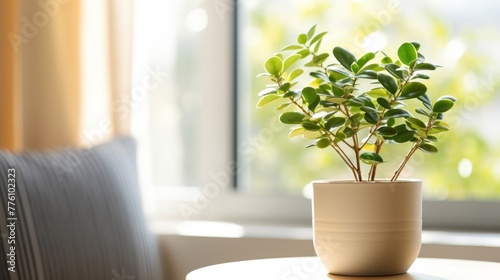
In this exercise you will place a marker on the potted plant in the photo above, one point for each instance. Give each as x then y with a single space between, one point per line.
359 108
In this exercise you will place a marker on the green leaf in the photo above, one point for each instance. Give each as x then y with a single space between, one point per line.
396 113
428 148
422 112
337 100
284 88
267 91
371 158
337 91
374 66
368 109
311 32
365 58
442 106
312 106
308 134
295 73
303 53
355 102
344 57
394 70
412 90
432 138
407 53
318 116
354 67
441 124
267 99
296 131
290 60
311 126
320 75
309 94
334 123
416 45
316 48
426 101
348 132
384 103
371 118
339 136
292 117
291 94
421 76
391 122
367 74
340 71
424 66
448 97
387 131
388 83
302 39
386 60
403 136
415 123
292 47
323 143
283 106
273 66
318 37
377 92
318 59
356 118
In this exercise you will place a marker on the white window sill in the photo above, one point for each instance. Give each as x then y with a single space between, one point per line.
237 230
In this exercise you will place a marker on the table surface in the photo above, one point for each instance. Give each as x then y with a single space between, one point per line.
310 268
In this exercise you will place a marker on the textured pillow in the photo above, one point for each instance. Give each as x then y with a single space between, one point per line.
78 213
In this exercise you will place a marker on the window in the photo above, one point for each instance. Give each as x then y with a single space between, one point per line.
185 124
183 120
460 35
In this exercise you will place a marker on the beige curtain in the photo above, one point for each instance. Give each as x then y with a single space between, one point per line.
42 91
10 132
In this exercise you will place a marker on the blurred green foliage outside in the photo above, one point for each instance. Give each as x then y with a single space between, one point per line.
461 36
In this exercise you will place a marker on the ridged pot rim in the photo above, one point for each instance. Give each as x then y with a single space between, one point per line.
354 182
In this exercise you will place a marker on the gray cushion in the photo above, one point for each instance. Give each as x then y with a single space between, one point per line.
79 215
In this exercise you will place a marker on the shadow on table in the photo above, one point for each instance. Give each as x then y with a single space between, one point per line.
406 276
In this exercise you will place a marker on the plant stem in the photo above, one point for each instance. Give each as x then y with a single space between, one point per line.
405 161
336 147
346 159
373 168
412 151
355 141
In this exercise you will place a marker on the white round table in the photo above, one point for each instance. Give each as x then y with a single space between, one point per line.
309 268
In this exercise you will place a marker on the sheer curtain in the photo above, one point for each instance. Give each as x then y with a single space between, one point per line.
65 72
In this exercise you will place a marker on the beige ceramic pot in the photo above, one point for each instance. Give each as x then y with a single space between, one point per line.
367 228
